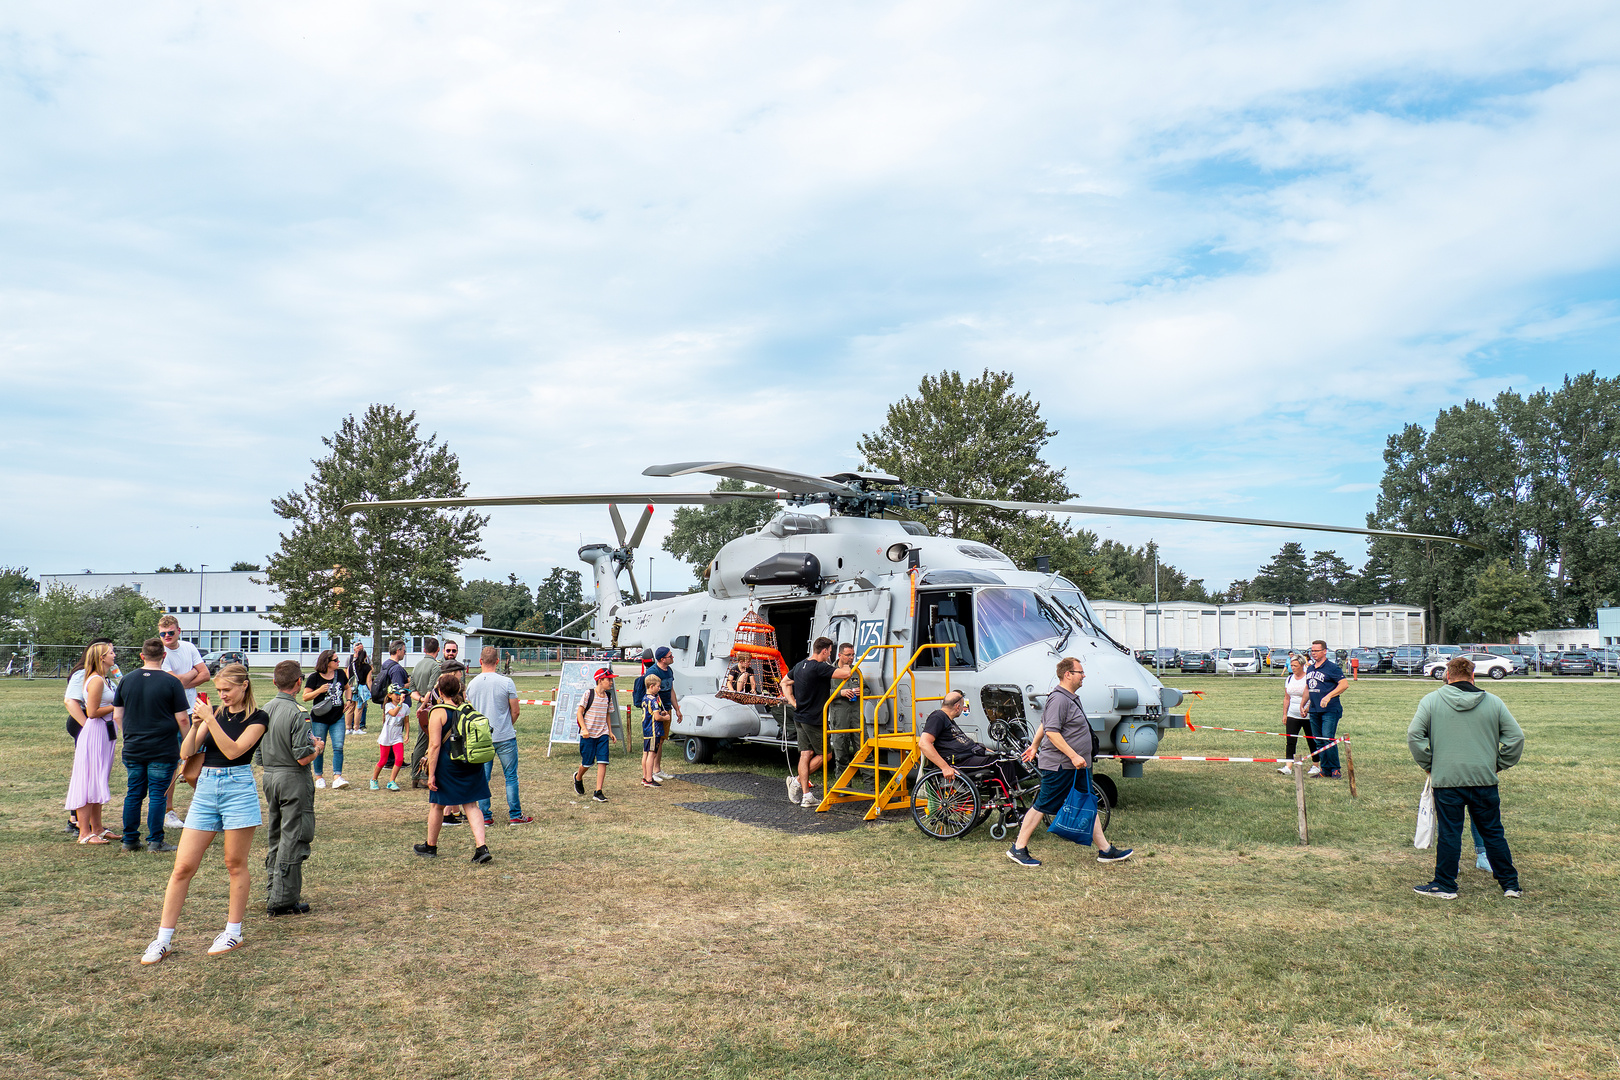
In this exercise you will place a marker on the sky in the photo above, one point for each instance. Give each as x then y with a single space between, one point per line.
1229 249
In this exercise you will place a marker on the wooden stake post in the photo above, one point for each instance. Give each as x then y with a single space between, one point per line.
1299 795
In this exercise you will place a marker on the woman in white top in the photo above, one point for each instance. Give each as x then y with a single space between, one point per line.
1295 692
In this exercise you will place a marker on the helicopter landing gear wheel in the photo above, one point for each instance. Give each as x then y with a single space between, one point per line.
1105 784
699 751
945 809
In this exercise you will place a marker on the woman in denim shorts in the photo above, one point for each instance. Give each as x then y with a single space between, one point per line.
227 800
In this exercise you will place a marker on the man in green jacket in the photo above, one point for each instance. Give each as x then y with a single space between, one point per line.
1463 736
285 751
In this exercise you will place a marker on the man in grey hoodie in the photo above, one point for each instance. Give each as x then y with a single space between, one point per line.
1463 736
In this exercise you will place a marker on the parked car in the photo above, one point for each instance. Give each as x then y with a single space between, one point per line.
1223 660
1575 663
1367 661
1197 661
1279 657
1447 651
217 660
1244 662
1606 660
1166 657
1144 657
1497 667
1408 659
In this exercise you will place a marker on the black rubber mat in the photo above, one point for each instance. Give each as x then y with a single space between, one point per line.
782 816
757 785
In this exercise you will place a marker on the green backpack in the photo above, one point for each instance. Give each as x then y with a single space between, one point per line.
468 736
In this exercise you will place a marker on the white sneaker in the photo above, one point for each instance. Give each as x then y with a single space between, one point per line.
155 952
224 943
1286 769
795 792
663 776
339 782
170 821
1316 770
810 801
320 782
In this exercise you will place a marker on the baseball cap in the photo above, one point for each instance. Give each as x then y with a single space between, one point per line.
396 689
662 651
603 673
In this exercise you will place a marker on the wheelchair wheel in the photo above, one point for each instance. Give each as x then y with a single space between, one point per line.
1105 805
945 809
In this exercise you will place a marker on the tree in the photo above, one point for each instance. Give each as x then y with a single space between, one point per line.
63 619
1330 578
391 567
246 566
1505 603
1121 572
175 569
558 603
974 439
16 589
699 532
1286 578
505 605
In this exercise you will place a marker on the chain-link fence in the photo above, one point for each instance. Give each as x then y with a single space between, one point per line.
26 660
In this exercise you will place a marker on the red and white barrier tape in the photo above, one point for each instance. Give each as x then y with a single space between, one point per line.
1248 731
1180 757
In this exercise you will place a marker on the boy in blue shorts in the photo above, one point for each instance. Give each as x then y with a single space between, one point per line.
654 726
595 715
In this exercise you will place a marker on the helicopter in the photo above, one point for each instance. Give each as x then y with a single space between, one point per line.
859 571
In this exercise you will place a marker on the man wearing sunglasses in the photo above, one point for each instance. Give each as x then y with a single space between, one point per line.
182 660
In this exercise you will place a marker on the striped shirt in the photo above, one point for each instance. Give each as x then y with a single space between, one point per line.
597 716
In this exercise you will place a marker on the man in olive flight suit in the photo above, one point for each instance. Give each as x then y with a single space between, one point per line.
289 789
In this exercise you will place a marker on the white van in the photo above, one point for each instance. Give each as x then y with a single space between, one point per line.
1243 662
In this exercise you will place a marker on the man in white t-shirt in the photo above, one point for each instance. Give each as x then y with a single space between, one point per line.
182 660
494 695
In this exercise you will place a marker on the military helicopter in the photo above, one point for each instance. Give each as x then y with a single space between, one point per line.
859 572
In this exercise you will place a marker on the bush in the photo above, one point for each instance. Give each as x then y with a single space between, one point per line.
62 620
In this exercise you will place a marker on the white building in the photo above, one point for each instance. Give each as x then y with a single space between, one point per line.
1183 624
222 610
1573 637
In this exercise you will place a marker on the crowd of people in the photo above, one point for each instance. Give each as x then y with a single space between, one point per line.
1462 735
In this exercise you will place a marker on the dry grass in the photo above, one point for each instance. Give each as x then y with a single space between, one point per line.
638 939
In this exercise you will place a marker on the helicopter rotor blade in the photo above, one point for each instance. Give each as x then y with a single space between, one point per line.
635 590
699 498
641 528
1120 511
796 483
618 522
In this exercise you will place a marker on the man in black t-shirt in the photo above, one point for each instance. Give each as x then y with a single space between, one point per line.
947 745
807 689
150 705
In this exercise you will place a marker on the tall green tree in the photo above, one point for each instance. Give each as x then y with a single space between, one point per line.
1331 578
63 620
698 533
1505 603
1285 579
974 438
559 602
390 567
16 590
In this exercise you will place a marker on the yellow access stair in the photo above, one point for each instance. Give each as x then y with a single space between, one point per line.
893 793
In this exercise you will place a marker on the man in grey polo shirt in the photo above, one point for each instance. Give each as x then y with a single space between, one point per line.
494 695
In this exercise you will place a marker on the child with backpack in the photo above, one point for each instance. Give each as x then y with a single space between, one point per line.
391 742
595 716
459 742
654 726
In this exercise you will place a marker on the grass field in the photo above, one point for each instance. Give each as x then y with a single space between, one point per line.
639 939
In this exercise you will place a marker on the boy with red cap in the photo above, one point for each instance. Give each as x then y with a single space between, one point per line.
595 715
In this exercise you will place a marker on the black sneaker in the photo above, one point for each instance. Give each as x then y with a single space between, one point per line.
1022 857
276 911
130 847
455 819
1114 854
599 797
161 845
579 785
481 854
1438 892
427 851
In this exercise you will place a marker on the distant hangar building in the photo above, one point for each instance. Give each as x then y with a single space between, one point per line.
1184 624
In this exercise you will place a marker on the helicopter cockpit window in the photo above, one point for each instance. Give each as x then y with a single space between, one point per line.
945 618
915 528
796 525
1012 618
1069 594
979 551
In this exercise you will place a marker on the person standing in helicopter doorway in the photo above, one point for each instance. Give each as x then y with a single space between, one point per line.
844 734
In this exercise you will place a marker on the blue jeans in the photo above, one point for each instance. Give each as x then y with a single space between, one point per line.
506 751
147 780
1485 809
332 732
1323 727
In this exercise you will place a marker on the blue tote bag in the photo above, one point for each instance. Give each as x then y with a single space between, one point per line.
1079 813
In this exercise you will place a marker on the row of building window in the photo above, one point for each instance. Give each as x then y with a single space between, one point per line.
213 610
252 641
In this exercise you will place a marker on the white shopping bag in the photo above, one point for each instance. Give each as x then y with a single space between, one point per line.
1425 822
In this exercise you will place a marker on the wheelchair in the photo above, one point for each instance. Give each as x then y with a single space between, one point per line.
949 809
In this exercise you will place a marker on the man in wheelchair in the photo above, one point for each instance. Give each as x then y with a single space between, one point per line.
947 746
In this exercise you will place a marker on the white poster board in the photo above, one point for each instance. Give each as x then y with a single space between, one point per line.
573 684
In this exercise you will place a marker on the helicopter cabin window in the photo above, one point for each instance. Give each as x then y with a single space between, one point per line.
1012 618
702 657
945 618
915 528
